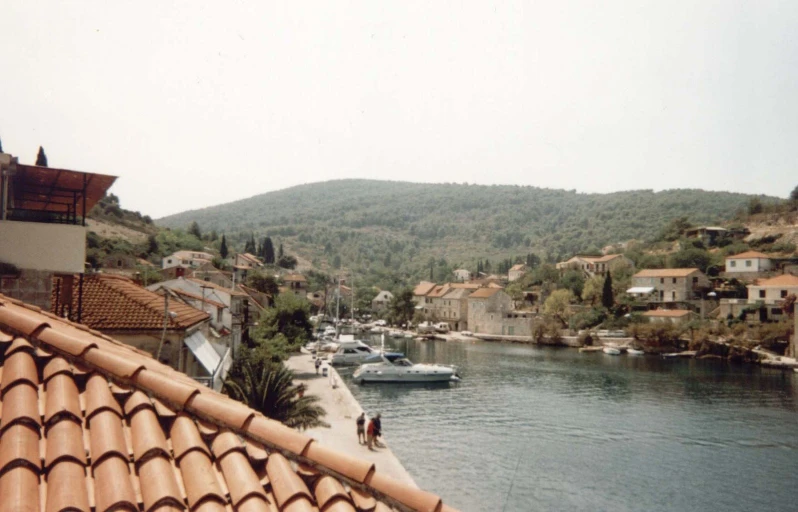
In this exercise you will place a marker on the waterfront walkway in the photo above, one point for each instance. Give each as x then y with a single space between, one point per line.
342 410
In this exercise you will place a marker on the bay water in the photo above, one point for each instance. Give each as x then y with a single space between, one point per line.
539 428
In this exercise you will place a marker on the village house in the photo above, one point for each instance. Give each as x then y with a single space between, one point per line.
121 263
231 320
462 275
296 284
42 227
381 301
770 293
749 262
454 308
186 259
594 265
516 272
669 285
673 316
242 264
118 307
420 294
490 311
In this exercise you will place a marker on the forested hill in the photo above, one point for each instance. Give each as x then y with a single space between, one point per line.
358 219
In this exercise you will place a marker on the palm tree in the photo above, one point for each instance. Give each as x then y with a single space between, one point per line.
268 387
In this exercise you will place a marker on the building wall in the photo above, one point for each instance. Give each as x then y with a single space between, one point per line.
486 316
36 246
672 289
514 275
748 265
773 294
31 286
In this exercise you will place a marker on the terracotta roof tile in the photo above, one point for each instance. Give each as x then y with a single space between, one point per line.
125 432
484 293
667 313
116 303
782 280
748 254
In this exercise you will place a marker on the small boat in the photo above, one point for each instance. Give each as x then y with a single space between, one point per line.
613 351
408 335
395 334
352 352
634 352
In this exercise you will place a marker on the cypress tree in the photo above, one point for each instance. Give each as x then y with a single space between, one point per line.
607 298
268 251
41 158
223 248
280 253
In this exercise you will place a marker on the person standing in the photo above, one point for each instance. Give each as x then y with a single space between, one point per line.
377 429
370 434
318 365
361 428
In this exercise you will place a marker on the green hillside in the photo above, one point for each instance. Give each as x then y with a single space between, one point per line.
392 231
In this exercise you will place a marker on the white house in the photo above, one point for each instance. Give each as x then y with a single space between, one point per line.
186 259
381 301
749 261
462 275
516 271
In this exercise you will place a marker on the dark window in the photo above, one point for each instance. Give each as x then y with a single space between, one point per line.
674 280
783 294
761 294
661 280
695 280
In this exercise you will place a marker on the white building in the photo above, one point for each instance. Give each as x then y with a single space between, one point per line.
462 275
186 259
749 261
381 301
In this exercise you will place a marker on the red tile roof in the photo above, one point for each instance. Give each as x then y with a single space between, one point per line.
215 286
749 255
89 423
484 293
423 288
667 313
115 303
666 272
779 281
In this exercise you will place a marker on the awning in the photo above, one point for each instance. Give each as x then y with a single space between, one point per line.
640 289
203 351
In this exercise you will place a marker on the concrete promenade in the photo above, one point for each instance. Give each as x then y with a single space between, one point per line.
342 410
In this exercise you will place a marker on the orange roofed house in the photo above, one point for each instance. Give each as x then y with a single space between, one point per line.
91 424
669 285
118 307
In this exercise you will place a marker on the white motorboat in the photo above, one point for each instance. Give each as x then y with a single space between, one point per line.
613 351
352 352
395 368
634 352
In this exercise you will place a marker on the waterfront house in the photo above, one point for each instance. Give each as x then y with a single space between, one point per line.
462 275
186 259
454 307
420 293
769 294
674 316
516 272
665 285
118 307
486 310
118 430
42 227
381 301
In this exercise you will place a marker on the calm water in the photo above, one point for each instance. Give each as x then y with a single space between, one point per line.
551 429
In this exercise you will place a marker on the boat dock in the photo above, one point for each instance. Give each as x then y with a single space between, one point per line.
342 410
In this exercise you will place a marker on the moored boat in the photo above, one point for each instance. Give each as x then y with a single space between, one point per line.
401 369
613 351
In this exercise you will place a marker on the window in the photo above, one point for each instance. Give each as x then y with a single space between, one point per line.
732 263
169 261
674 280
761 294
783 294
695 280
219 315
775 311
661 280
119 263
747 263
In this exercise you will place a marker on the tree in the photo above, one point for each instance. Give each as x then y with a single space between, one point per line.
674 229
793 194
268 387
692 257
280 253
194 229
532 260
223 250
287 261
556 306
591 292
41 158
249 246
574 281
403 306
152 244
263 282
290 317
268 251
607 297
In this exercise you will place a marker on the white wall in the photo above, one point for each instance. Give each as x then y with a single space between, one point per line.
748 265
37 246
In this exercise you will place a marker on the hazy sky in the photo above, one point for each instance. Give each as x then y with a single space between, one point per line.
200 103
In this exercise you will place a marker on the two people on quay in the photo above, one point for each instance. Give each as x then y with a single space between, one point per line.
369 435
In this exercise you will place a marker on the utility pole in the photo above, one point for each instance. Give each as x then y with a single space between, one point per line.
165 322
